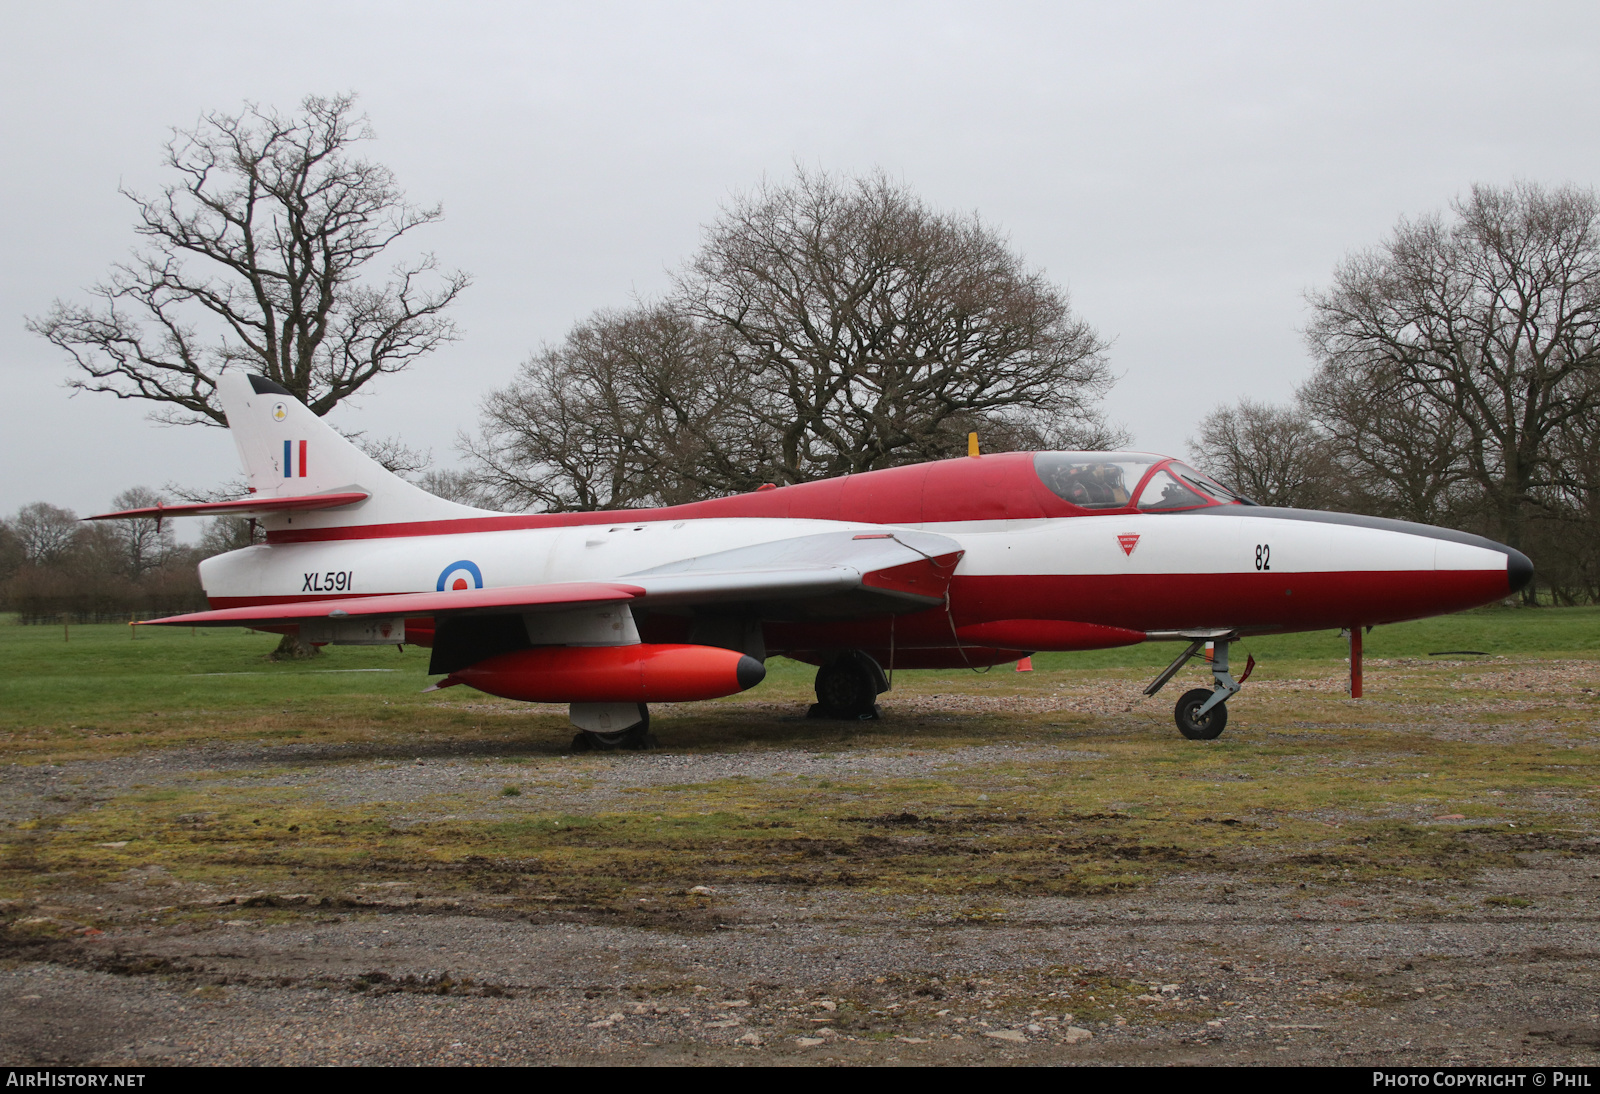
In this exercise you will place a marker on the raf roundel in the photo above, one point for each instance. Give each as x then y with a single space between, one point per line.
280 411
460 575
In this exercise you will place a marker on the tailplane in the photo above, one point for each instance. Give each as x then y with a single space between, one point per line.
289 452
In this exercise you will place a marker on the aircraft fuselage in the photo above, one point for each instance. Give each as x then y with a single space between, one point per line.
1230 567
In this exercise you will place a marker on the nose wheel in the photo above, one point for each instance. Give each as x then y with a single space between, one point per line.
1202 714
1194 725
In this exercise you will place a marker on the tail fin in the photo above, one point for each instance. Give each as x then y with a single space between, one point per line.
288 451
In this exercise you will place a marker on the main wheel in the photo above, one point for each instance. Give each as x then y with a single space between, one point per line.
846 689
1200 727
636 738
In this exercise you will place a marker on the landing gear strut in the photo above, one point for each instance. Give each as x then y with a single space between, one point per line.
848 688
1201 714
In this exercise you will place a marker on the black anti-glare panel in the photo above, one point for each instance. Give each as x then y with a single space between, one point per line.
263 386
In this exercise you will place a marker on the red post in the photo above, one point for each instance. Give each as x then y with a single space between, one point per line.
1355 662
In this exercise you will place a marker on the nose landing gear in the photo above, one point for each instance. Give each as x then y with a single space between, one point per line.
1201 714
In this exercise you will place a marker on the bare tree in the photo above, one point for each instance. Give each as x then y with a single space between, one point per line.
44 532
636 407
142 545
11 555
224 534
457 486
826 326
1397 452
873 330
1491 320
1272 454
393 454
1564 534
257 257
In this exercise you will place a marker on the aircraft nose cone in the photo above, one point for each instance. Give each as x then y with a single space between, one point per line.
750 673
1519 570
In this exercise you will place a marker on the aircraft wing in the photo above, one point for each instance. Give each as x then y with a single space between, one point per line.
831 575
243 507
510 598
828 575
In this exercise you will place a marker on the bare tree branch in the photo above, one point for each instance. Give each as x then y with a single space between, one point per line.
826 326
1486 327
632 408
256 257
873 329
1274 455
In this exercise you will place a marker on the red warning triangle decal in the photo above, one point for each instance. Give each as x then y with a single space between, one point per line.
1128 543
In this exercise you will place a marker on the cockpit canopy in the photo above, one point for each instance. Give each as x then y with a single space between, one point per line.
1130 480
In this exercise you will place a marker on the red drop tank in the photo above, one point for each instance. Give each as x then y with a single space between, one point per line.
642 673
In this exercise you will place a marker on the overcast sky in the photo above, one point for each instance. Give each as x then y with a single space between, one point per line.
1187 171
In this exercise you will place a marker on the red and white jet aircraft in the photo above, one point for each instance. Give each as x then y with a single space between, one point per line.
962 562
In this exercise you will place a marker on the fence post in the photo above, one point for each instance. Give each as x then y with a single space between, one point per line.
1355 662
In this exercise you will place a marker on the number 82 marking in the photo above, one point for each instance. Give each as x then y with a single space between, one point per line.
1263 556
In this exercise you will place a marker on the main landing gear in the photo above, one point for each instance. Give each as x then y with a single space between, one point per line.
848 688
1202 713
612 727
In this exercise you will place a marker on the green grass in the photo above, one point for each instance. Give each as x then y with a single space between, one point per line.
105 692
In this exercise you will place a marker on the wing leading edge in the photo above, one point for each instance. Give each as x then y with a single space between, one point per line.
459 602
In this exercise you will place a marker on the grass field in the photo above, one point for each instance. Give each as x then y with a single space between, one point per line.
102 692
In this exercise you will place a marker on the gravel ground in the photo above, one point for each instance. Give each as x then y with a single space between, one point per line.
559 782
833 977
